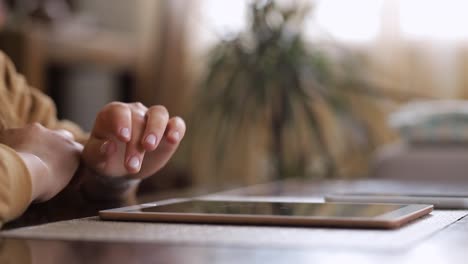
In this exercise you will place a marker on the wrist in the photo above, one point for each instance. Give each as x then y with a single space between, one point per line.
38 170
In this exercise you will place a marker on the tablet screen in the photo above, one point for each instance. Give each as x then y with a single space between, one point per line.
276 208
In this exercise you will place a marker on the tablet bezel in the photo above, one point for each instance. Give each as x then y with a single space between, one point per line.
390 220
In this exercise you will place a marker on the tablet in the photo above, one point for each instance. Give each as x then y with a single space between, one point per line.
349 215
439 201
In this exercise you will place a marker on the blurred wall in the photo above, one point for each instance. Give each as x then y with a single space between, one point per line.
121 15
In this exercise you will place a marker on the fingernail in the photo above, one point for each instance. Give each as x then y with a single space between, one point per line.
125 132
151 139
107 147
175 135
134 163
104 147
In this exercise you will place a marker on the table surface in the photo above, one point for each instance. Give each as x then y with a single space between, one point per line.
448 245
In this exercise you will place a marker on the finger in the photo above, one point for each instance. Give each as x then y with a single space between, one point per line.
175 131
97 153
134 152
156 122
115 119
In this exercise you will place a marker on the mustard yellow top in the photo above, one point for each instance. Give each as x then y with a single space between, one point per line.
22 105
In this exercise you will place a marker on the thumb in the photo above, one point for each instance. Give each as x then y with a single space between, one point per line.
97 151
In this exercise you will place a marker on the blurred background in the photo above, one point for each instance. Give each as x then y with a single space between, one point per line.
269 89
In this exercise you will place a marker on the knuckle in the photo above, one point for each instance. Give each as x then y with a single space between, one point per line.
114 106
138 114
159 118
111 111
65 134
70 142
36 128
159 111
179 122
139 105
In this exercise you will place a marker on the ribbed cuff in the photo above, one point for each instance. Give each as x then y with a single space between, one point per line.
15 183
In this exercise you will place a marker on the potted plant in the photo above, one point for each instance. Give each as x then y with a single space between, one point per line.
269 81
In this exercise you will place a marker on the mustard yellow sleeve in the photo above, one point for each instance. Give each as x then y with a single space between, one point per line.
30 104
15 185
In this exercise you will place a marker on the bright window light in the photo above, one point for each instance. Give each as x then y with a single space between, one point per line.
351 21
345 20
222 18
219 19
434 19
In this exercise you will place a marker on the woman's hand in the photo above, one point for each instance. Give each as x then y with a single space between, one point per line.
132 140
52 157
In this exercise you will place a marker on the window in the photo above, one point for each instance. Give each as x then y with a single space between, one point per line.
350 21
434 19
355 21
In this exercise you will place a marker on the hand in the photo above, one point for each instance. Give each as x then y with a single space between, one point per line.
52 157
131 140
